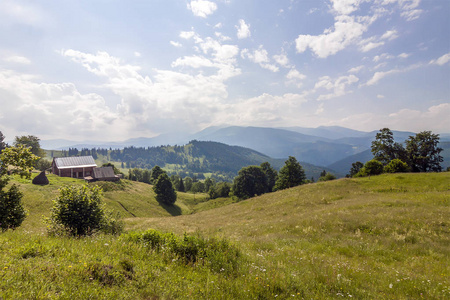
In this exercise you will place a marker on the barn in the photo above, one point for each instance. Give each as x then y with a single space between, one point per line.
103 174
75 167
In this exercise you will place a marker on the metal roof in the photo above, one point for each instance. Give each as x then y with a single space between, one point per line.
74 162
104 172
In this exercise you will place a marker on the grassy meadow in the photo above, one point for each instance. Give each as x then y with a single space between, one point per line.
383 237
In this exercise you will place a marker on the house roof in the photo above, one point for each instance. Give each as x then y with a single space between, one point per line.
74 162
104 172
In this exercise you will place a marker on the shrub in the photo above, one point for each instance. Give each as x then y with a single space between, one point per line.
79 211
12 212
328 176
372 167
396 166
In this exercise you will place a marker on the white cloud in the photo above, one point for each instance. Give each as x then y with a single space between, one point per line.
345 7
441 60
54 109
435 118
187 34
390 35
371 45
404 55
243 30
193 61
380 75
356 69
137 54
383 56
17 59
266 110
411 15
346 31
282 60
338 86
176 44
379 96
261 57
295 77
202 8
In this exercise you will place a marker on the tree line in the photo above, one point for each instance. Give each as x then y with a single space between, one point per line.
419 153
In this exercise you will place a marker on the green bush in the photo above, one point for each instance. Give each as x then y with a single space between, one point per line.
328 176
79 211
12 212
372 167
396 166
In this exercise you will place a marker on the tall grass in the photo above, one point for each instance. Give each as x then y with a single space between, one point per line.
384 237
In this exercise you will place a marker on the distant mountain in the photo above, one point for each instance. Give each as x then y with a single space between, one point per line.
281 143
200 157
329 132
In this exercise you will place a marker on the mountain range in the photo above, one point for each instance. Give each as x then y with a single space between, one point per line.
329 146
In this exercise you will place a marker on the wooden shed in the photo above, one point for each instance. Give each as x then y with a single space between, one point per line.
75 167
105 174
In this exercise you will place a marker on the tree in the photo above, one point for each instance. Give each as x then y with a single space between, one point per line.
290 175
3 145
271 175
79 211
385 149
423 152
32 142
18 160
164 190
251 181
323 173
396 166
43 164
181 186
188 184
356 167
156 171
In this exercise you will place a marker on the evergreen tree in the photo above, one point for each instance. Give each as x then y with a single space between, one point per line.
251 181
290 175
164 190
156 171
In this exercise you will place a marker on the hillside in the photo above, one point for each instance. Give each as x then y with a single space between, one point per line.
384 237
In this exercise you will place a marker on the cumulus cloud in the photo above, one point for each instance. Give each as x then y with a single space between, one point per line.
60 107
356 69
347 30
259 56
202 8
337 86
243 30
282 60
295 77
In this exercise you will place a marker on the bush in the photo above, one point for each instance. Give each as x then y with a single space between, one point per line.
372 167
396 166
328 176
79 211
12 212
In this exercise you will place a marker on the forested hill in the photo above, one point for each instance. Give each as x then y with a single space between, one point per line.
199 157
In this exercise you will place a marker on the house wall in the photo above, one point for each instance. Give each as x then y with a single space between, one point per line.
74 172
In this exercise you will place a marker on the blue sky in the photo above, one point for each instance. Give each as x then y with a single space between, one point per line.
113 70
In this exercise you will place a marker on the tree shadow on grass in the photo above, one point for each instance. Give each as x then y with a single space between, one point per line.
173 209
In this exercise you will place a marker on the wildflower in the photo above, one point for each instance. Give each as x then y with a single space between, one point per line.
70 266
6 268
390 285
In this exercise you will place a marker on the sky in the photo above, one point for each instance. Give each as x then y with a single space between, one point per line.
110 70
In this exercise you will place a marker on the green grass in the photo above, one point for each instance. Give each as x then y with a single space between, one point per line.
383 237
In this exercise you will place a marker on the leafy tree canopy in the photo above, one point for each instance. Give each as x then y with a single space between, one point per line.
251 181
32 142
385 149
424 152
290 175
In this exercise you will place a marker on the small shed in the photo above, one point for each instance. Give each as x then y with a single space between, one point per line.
75 167
105 174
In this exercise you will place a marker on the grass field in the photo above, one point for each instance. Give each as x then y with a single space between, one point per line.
383 237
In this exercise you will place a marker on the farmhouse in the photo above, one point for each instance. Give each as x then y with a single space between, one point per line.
103 174
75 167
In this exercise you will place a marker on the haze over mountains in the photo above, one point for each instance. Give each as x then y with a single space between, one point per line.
333 147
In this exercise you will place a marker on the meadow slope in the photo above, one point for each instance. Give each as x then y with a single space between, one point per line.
383 237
